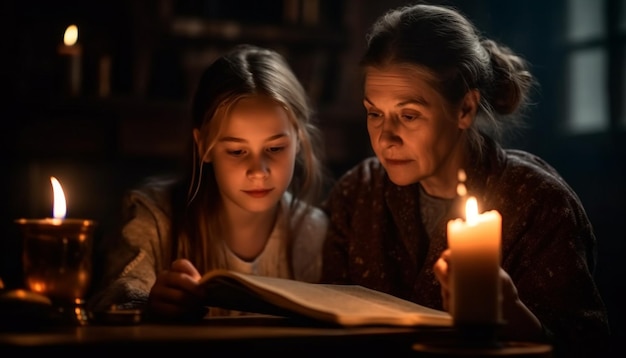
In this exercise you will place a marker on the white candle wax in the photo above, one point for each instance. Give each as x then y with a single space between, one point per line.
474 266
72 52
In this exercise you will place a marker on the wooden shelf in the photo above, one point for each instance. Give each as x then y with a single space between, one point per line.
98 128
182 28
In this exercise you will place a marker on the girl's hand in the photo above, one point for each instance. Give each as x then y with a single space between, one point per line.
176 292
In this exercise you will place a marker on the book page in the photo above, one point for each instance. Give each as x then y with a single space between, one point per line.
342 304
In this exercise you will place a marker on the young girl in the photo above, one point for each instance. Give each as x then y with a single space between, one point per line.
247 203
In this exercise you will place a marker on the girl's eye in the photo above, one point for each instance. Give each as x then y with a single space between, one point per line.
235 153
275 149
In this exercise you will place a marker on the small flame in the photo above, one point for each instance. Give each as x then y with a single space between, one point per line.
471 211
60 208
71 35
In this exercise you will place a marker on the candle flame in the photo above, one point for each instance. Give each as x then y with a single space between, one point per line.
59 207
471 211
71 35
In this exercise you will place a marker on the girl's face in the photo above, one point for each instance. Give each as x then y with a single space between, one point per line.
254 155
414 132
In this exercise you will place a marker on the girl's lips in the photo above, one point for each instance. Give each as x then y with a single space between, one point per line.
258 193
397 161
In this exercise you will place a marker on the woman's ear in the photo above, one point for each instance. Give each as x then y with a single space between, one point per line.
469 108
200 147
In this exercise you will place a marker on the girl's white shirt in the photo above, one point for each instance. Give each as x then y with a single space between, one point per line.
274 259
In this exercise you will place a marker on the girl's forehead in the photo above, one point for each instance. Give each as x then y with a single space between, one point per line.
256 114
248 116
258 107
254 101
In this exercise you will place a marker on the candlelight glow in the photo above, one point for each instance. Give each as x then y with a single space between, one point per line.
59 207
471 211
461 190
71 35
37 286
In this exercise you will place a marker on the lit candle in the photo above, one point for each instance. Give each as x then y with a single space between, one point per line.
474 266
56 254
72 52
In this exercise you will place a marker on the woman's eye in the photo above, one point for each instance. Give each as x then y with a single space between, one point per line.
373 115
409 117
275 149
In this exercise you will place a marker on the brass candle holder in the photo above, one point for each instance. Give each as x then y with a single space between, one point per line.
57 263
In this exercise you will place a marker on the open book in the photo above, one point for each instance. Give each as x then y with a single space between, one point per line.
344 305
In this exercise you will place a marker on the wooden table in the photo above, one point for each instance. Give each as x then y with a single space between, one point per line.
247 335
235 336
27 328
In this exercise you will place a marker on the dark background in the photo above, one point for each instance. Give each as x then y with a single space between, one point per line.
100 144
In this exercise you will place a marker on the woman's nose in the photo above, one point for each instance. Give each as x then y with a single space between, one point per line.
389 132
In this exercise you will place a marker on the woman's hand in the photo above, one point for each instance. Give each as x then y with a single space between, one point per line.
441 269
176 292
520 323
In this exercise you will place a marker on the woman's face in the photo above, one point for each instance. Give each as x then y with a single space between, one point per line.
414 132
254 155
